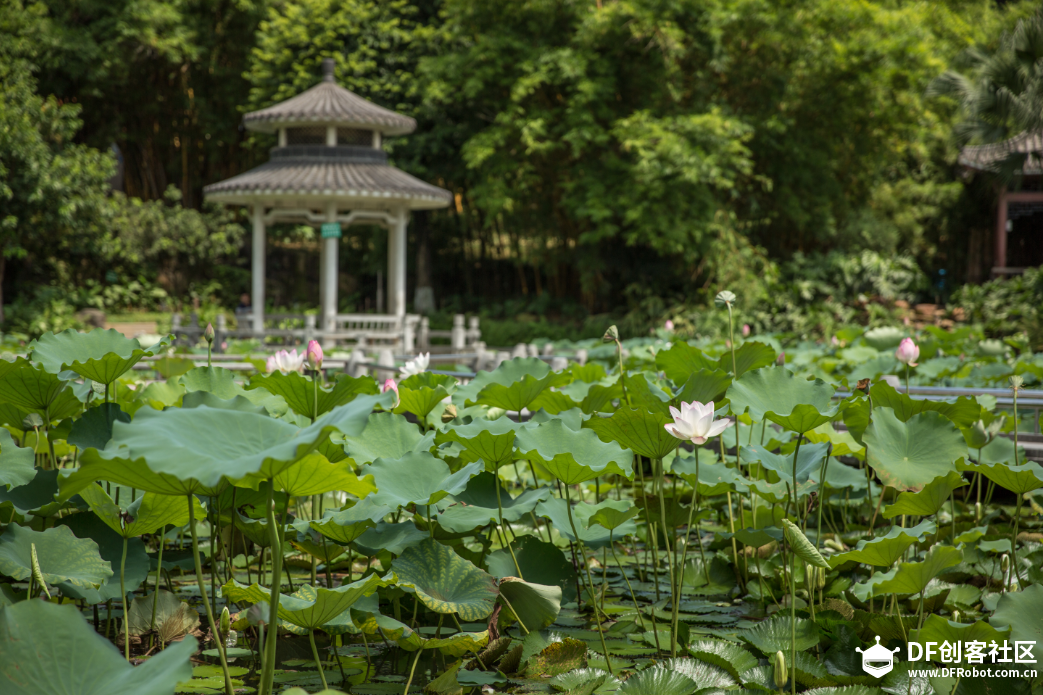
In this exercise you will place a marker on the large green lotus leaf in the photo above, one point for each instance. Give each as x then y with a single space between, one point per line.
573 457
315 475
254 529
221 383
776 493
50 649
910 577
346 525
999 450
929 500
387 436
183 450
643 393
773 635
417 478
17 465
593 535
779 395
809 461
536 605
703 673
372 622
149 512
658 681
591 680
937 629
681 361
855 412
110 547
460 643
101 355
515 396
476 505
640 431
1025 477
421 393
445 582
511 386
757 538
705 386
135 474
491 441
750 356
302 396
714 478
600 397
840 476
540 562
727 656
909 455
612 518
964 412
35 497
27 385
321 606
62 556
884 551
394 538
94 428
1021 611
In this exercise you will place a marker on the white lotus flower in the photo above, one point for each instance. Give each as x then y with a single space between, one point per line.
416 365
286 361
695 423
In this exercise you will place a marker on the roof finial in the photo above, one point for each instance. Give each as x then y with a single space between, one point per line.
328 68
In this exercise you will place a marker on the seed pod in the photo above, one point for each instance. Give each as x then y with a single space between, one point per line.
611 335
226 623
449 414
780 675
724 298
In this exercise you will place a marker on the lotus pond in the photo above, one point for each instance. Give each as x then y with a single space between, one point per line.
598 529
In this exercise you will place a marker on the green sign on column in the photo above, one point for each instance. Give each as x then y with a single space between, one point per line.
330 230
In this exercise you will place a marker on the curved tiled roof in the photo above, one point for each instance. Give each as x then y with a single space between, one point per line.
330 104
347 178
988 157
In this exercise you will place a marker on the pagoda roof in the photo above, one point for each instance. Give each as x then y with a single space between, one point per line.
989 157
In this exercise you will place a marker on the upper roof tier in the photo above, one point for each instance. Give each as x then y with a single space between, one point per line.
991 156
327 103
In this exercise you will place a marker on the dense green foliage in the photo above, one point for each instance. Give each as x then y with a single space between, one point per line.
529 528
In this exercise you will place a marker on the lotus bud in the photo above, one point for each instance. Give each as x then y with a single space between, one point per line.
1005 563
225 625
390 385
669 325
956 616
820 578
779 674
809 575
907 352
724 298
208 334
745 330
314 355
781 359
611 335
449 414
977 511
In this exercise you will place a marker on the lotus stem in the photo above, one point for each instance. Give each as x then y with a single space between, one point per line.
796 495
202 592
123 594
702 552
793 616
499 519
159 569
1014 541
667 531
822 496
731 341
412 671
265 685
511 609
633 596
590 582
318 661
652 541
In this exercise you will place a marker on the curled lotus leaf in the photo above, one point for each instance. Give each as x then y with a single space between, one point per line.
930 499
573 456
476 505
1019 479
592 534
801 546
910 577
100 355
417 478
491 441
445 582
346 525
884 551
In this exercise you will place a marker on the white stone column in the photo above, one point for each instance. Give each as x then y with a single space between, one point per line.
257 270
330 274
397 264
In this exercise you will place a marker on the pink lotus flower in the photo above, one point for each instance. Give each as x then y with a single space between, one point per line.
695 423
314 355
669 325
745 330
390 385
907 352
285 362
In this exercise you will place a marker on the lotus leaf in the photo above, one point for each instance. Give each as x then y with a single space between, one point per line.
937 629
511 386
680 361
658 681
714 478
110 548
809 461
702 672
29 386
313 609
346 525
884 551
394 538
445 582
644 394
88 664
640 431
421 393
100 355
17 465
782 397
1021 611
536 605
541 562
749 357
476 505
62 556
591 534
909 455
758 538
370 621
149 513
387 436
573 457
94 428
611 517
705 386
1019 479
773 635
727 656
573 680
491 441
964 412
174 617
910 577
314 475
458 644
303 398
180 450
417 478
928 500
